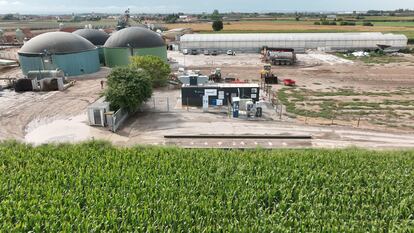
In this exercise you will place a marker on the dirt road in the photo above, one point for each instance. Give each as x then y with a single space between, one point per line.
150 128
18 110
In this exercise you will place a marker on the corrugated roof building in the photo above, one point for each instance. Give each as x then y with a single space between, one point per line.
254 42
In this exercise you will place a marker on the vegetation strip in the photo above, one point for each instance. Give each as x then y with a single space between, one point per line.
95 187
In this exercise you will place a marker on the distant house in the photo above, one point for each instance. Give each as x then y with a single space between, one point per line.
175 34
331 17
186 18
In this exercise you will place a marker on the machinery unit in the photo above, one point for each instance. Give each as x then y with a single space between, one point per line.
215 75
267 76
51 84
41 74
193 80
97 113
224 92
280 56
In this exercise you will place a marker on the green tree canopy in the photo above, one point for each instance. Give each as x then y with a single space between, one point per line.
218 25
157 69
216 15
128 88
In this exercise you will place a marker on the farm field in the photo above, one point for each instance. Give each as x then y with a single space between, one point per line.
51 24
283 25
97 187
406 28
391 108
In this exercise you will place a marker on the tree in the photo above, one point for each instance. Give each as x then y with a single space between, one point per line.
171 18
369 24
128 88
9 17
216 15
218 25
157 69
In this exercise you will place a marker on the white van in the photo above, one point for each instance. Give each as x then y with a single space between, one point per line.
231 53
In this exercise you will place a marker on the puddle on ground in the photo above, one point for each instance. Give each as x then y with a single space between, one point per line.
74 129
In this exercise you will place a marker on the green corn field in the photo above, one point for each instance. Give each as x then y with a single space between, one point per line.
95 187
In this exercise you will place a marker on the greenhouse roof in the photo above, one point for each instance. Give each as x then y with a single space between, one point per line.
291 36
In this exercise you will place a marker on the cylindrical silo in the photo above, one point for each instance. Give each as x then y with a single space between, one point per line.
96 37
133 41
72 54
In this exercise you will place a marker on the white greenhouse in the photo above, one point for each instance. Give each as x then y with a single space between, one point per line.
254 42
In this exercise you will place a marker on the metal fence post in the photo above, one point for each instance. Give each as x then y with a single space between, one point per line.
281 111
168 104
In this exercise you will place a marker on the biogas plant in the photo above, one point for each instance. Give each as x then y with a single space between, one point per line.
230 89
85 50
71 53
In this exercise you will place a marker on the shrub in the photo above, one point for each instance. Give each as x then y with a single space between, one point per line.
128 88
218 25
157 69
368 24
347 23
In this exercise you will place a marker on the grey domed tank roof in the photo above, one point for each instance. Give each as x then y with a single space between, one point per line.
95 36
56 43
135 37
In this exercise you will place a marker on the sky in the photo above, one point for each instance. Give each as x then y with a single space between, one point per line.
196 6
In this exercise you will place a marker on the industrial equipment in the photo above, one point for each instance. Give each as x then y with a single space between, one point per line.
123 20
193 79
267 76
215 75
97 113
235 106
280 56
193 95
41 74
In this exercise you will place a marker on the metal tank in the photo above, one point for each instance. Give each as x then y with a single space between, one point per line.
19 35
72 54
133 41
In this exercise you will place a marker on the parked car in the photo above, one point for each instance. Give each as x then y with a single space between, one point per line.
185 51
194 52
206 52
214 53
231 52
